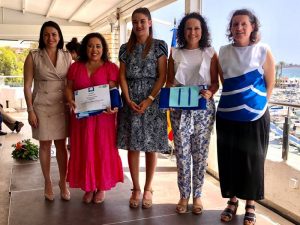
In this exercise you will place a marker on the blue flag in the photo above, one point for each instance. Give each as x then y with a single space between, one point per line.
173 43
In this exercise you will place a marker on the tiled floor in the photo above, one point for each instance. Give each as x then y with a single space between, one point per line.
26 205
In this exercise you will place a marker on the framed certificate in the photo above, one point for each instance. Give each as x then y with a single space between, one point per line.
92 100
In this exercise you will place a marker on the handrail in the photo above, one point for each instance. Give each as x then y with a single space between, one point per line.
284 104
286 127
13 76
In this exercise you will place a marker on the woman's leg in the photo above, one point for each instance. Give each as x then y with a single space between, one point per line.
250 217
182 130
230 210
45 155
181 125
62 161
203 121
151 160
183 161
8 120
134 165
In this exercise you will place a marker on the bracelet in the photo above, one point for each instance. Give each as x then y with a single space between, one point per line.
151 97
29 109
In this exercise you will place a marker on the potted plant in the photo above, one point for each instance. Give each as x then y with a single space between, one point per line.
25 149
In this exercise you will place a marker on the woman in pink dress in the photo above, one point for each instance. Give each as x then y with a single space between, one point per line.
95 165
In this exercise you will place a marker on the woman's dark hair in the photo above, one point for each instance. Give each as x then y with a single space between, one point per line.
73 45
83 57
205 37
132 39
60 44
254 37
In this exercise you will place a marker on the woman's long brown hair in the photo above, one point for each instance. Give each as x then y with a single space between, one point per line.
133 40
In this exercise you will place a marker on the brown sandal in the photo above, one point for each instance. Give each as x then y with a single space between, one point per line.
228 213
182 206
147 203
99 197
134 202
88 197
197 208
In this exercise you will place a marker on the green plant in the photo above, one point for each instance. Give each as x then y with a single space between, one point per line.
25 149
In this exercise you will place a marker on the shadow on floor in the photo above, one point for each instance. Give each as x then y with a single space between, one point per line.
28 207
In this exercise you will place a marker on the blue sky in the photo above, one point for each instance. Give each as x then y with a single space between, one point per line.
279 23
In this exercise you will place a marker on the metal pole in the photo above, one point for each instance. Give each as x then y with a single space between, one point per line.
285 136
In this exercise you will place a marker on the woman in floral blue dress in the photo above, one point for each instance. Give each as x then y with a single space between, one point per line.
142 126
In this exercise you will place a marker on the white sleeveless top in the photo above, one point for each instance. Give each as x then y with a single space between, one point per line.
244 94
192 67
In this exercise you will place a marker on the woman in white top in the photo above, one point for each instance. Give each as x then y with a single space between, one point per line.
193 63
247 72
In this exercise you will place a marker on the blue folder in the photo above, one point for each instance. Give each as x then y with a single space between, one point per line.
183 97
115 98
115 101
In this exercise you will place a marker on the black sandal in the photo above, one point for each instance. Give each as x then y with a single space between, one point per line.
227 214
249 218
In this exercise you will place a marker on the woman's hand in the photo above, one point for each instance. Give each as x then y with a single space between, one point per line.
109 110
72 105
32 119
169 84
134 106
144 105
207 94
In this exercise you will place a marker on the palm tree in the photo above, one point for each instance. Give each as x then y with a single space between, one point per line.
281 63
277 75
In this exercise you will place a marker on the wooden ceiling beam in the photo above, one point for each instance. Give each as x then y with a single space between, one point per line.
50 8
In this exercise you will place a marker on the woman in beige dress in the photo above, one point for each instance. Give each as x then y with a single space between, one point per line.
47 68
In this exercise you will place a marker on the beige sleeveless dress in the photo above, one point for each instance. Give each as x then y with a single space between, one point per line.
48 96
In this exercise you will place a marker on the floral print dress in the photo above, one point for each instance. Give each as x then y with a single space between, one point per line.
142 132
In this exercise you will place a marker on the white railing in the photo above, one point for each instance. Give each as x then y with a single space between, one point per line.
284 131
7 81
11 92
